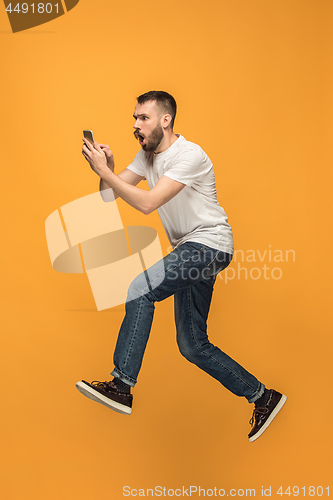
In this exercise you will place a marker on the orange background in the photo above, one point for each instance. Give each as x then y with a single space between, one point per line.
253 82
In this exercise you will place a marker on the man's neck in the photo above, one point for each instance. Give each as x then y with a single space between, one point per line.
166 142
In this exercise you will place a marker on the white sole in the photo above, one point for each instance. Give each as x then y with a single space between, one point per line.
90 393
270 418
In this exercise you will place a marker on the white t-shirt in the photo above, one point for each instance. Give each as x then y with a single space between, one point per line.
194 214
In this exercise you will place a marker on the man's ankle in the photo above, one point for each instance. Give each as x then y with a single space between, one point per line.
263 400
122 386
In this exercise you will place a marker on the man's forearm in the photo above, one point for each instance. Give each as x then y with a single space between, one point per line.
136 197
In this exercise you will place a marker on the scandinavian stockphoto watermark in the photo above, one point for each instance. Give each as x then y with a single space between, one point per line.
258 264
187 491
122 263
249 264
198 491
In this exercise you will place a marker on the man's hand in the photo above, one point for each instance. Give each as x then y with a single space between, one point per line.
125 184
96 157
109 156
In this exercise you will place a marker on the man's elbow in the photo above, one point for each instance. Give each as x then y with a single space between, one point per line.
107 195
148 209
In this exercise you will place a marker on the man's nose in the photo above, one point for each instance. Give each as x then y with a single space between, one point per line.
136 125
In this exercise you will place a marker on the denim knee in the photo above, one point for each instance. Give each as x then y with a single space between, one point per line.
187 349
137 288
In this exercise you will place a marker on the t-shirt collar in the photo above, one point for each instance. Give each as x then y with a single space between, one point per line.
163 153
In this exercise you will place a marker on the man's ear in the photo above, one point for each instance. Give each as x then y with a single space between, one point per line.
166 120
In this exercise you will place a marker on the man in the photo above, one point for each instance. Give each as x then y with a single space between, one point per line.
182 188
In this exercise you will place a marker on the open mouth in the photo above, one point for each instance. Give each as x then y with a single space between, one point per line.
140 138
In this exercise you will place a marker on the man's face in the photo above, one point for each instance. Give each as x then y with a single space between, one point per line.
148 128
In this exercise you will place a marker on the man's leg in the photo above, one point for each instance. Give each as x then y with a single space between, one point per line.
183 267
191 313
187 266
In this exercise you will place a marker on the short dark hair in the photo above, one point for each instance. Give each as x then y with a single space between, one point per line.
165 100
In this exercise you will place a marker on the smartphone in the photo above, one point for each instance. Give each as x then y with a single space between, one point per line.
89 135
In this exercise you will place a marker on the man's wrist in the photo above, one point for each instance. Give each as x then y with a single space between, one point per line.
106 175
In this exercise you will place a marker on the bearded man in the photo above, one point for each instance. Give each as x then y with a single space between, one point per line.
182 188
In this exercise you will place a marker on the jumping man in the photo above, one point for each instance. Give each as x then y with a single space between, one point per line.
181 180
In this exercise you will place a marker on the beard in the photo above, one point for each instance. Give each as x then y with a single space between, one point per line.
153 140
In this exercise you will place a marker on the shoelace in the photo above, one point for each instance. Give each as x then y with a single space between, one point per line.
257 412
104 385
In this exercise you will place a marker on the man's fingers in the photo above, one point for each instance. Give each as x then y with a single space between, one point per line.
90 148
101 148
107 153
87 144
85 150
96 146
106 149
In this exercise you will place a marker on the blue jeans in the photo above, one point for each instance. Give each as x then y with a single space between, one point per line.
189 273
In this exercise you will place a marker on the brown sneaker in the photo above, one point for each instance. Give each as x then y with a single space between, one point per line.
263 416
108 395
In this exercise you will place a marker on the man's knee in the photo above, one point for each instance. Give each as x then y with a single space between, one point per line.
187 348
138 287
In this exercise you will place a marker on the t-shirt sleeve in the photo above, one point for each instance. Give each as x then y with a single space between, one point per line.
189 166
137 165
